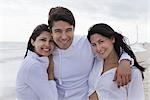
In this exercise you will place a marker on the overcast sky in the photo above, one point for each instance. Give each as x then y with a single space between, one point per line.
18 18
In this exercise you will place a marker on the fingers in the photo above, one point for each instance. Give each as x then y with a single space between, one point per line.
115 77
123 75
128 78
51 70
123 80
119 82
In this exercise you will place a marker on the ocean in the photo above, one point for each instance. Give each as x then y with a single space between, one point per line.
11 56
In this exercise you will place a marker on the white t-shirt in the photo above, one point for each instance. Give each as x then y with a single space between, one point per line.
72 68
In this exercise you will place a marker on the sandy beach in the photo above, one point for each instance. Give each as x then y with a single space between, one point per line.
144 58
10 66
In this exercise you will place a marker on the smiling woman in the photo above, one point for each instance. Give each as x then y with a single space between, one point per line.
109 45
34 80
42 45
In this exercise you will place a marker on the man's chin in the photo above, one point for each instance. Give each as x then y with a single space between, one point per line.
64 47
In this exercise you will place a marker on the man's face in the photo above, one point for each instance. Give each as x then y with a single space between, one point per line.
62 33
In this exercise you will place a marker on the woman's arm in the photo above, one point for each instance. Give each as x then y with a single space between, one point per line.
38 81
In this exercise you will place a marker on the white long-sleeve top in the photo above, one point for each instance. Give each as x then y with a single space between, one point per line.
32 80
107 89
72 67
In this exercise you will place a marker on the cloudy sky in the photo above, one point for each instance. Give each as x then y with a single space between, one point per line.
18 18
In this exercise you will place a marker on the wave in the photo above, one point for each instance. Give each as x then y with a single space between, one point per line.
10 51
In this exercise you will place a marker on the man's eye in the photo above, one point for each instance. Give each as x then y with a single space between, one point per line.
58 31
69 30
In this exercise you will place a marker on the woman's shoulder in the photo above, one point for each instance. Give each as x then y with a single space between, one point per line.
33 66
28 63
136 73
29 60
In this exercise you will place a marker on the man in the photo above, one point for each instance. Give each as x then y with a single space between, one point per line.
73 57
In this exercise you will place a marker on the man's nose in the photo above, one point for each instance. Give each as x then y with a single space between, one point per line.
64 35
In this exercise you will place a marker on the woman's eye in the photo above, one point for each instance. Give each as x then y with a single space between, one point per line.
43 39
100 42
93 45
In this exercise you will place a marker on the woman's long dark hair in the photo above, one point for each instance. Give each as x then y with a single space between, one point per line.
36 32
120 44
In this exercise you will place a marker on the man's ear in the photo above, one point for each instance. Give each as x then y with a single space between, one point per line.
32 42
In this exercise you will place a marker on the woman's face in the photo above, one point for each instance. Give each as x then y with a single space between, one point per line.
101 45
43 44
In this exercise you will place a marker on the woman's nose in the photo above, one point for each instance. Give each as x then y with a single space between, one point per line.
98 48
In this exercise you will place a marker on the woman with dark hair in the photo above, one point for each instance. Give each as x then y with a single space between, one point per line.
33 81
109 45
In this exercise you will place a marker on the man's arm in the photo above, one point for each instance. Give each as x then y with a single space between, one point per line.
123 72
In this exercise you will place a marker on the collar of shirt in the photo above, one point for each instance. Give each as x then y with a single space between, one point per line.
43 59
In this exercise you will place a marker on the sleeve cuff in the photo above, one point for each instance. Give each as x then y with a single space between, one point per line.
125 56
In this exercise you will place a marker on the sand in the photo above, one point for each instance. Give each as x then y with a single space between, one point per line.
144 58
